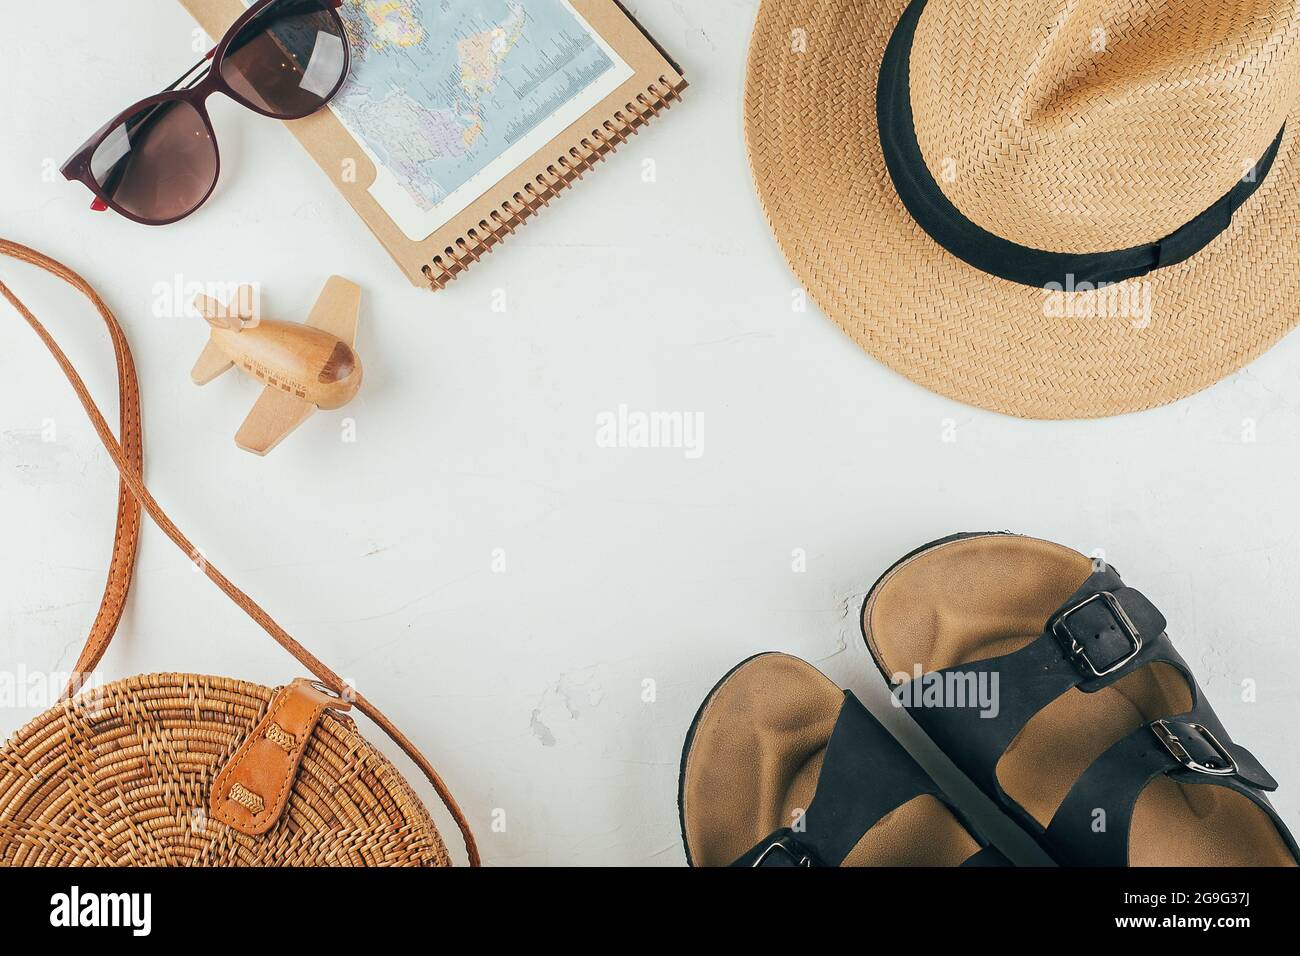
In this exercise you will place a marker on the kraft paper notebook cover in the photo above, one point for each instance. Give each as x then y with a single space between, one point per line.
445 145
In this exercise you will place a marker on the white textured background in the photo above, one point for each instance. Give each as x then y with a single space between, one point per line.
476 432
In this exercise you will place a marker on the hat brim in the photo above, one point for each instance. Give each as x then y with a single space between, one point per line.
810 125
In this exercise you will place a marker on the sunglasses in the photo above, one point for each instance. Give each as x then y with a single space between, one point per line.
157 162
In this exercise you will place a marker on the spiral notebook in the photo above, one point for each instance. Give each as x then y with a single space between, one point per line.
461 119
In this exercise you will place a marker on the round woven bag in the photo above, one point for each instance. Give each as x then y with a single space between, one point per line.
121 775
187 770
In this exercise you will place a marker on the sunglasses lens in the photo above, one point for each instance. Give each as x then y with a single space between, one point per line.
158 165
289 59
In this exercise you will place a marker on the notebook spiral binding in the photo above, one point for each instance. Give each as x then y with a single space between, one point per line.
558 176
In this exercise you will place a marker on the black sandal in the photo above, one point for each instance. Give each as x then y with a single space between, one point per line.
1098 741
775 737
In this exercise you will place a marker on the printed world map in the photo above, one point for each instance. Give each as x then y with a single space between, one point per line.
442 88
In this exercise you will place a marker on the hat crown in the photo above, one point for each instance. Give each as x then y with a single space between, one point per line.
1094 125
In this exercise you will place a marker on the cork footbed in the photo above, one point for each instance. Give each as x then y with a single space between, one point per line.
981 597
751 767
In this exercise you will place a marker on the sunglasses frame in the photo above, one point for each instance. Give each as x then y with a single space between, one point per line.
194 91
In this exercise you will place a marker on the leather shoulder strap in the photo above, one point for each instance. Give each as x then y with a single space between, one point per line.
126 538
134 484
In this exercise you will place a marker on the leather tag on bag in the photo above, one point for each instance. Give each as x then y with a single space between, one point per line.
251 791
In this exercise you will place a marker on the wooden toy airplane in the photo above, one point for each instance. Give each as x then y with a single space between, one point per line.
305 367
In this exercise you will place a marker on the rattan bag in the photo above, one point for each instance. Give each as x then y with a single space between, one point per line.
187 770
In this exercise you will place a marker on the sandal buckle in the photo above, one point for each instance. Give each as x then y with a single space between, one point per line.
1219 762
788 847
1078 653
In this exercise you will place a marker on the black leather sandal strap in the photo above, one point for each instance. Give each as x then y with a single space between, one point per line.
865 775
987 856
1092 825
1105 627
974 711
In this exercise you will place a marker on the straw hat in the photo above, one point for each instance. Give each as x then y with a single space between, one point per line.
1049 208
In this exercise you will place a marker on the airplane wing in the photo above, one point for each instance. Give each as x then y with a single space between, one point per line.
276 414
337 309
212 362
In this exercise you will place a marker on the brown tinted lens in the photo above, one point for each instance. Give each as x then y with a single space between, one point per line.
289 59
160 164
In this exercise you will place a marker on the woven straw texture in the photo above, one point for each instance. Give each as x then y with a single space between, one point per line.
1053 135
121 776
